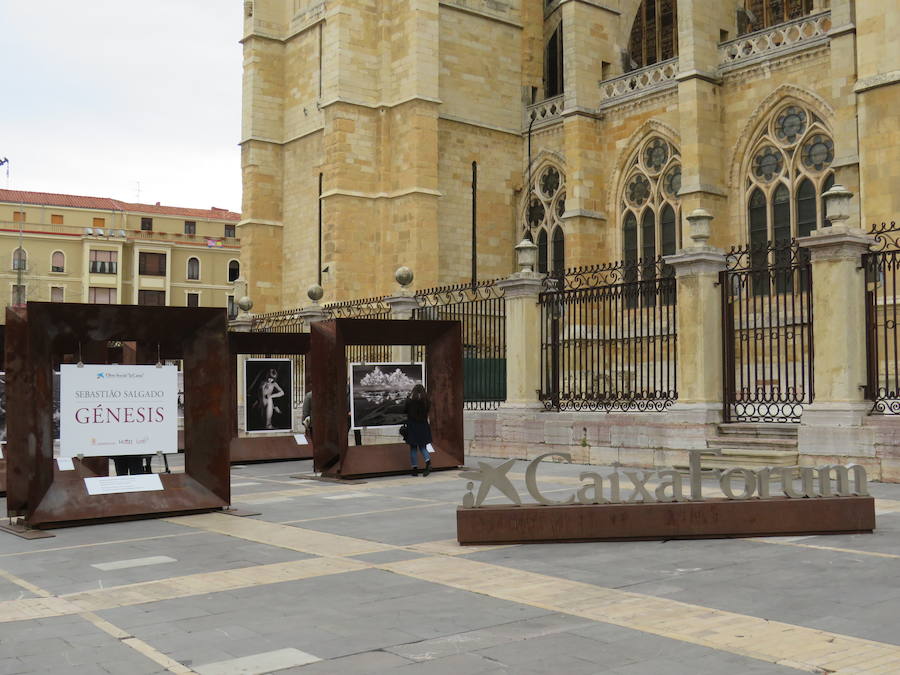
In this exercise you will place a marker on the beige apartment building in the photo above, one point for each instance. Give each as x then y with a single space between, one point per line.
428 133
68 248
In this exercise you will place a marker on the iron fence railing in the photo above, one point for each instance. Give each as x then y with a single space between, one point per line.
481 309
365 308
882 266
767 332
608 338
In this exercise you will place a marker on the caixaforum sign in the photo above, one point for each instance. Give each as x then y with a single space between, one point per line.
664 503
108 410
668 485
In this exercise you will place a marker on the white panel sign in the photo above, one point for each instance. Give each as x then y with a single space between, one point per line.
118 410
107 485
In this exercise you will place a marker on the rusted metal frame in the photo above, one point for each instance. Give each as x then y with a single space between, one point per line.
329 341
36 337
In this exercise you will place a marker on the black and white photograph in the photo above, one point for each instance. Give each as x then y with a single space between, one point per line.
378 392
267 394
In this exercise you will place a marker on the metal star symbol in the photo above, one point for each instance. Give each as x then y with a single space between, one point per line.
493 476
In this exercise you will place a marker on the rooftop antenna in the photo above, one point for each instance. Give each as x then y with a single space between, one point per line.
5 160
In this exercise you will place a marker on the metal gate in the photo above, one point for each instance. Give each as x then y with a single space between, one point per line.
882 265
767 332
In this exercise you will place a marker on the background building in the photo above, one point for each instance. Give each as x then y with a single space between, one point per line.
432 133
67 248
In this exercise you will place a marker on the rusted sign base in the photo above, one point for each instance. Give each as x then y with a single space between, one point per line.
713 518
367 460
267 449
25 532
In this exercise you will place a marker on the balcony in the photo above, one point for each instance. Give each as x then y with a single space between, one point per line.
802 33
649 79
548 110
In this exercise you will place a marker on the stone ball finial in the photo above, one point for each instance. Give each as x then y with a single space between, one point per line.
245 304
404 276
315 292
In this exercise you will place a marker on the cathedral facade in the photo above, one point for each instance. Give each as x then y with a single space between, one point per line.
437 134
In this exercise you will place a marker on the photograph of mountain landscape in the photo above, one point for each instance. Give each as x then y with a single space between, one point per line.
378 392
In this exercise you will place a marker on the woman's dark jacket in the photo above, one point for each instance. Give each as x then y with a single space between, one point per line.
418 429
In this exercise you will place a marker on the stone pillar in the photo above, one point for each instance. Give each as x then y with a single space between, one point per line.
403 303
244 320
314 311
523 330
699 323
831 425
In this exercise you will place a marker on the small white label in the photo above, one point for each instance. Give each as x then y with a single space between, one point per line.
300 438
107 485
65 464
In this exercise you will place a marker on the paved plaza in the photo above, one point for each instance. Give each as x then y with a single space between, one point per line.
367 578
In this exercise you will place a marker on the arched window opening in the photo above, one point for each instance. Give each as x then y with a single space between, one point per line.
759 14
554 80
543 216
193 269
654 34
787 172
234 270
542 251
58 262
651 198
20 259
559 251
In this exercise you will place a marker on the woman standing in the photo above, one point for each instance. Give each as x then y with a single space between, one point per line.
418 433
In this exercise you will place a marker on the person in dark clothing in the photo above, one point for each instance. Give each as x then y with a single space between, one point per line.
418 431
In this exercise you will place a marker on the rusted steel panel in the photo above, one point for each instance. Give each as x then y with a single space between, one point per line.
713 518
328 362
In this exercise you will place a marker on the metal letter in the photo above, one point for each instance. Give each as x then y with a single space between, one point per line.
749 483
787 482
531 479
639 487
597 485
696 472
674 482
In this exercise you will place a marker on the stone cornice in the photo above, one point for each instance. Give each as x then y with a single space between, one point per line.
260 221
522 285
697 262
593 3
875 81
695 74
480 125
382 195
479 13
702 188
583 213
381 104
837 243
837 31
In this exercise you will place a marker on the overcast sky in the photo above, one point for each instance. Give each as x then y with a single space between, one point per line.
100 96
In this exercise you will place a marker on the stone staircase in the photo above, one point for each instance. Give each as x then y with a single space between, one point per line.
753 445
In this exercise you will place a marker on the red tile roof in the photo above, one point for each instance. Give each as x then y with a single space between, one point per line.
105 203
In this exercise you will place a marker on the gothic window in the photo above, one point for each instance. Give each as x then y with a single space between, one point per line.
759 14
20 259
651 198
788 171
654 34
553 64
543 217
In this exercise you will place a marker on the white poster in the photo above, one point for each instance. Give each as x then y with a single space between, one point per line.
118 410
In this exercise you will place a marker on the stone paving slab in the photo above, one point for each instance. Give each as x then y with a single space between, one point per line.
369 578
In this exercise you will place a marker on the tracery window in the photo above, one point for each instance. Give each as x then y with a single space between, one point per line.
543 218
788 172
654 34
650 209
759 14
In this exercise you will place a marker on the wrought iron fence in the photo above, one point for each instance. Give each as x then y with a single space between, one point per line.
882 266
365 308
284 321
767 332
608 338
481 309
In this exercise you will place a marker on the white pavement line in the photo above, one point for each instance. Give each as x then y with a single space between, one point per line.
248 499
99 543
350 495
133 562
243 484
257 664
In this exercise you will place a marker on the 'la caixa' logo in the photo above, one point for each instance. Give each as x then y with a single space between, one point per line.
667 485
